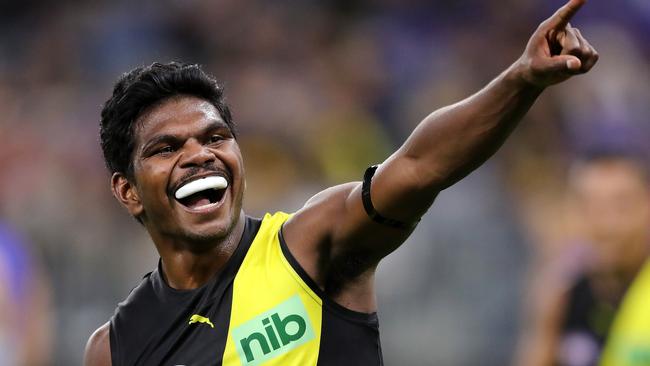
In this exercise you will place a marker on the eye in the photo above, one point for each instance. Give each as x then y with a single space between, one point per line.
165 150
216 138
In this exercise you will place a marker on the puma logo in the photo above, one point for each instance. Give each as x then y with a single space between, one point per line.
196 318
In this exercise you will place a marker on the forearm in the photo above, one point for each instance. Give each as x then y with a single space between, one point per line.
453 141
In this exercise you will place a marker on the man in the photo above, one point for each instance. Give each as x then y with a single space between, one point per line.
289 289
575 299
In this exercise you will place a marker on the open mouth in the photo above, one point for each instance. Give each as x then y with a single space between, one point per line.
202 193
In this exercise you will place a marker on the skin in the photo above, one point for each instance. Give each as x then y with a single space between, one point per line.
612 199
176 141
333 228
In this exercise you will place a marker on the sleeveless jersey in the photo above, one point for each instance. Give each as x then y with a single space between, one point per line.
261 309
629 341
586 323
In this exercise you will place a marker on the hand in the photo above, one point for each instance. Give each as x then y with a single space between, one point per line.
557 51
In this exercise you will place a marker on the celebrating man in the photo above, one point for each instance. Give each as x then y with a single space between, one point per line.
289 289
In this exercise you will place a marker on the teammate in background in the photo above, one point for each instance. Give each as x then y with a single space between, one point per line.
575 300
628 343
25 329
288 289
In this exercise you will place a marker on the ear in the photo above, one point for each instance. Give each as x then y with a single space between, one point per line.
127 194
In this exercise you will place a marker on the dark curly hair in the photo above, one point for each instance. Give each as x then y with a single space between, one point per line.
140 89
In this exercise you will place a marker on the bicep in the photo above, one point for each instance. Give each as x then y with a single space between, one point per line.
98 348
402 188
397 192
334 223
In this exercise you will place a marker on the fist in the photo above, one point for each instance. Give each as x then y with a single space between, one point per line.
557 51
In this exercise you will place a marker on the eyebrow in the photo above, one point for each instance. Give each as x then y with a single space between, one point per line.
212 125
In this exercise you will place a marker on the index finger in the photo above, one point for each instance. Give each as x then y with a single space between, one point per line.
564 14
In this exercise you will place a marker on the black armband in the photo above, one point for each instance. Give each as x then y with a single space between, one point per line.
370 209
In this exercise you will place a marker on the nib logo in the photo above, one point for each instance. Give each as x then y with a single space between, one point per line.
273 333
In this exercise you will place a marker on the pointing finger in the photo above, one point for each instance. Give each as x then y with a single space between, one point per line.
564 14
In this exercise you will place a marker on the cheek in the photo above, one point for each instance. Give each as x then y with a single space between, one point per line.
240 161
235 163
153 180
234 159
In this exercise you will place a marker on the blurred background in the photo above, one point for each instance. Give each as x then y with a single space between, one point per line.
319 90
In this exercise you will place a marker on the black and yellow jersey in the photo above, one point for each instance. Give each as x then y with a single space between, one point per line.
261 309
628 343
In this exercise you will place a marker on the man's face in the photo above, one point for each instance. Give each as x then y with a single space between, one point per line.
179 141
613 201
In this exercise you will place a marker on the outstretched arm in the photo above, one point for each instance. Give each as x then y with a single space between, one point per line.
445 147
455 140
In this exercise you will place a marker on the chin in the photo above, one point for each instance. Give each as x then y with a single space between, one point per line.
196 229
209 234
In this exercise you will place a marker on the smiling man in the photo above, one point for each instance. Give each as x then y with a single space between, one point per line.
288 289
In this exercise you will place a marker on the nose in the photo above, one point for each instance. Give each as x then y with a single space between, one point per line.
195 154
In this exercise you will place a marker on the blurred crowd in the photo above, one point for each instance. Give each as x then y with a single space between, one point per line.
319 90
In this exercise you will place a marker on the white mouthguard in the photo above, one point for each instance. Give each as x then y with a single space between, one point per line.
199 185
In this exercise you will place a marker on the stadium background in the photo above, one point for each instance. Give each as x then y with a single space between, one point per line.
319 89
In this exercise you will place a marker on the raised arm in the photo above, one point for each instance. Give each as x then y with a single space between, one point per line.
445 147
453 141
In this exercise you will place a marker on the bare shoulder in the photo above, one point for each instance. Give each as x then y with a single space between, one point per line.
317 212
98 348
314 221
311 227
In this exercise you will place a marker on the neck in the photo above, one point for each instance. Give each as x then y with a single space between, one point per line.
632 253
186 269
615 274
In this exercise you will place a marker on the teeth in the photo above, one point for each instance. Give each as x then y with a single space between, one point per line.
201 185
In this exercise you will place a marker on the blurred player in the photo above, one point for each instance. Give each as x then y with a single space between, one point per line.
628 343
25 329
577 297
286 289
